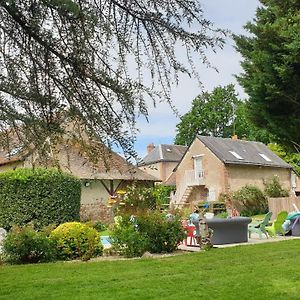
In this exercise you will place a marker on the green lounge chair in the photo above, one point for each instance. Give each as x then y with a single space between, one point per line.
277 224
260 227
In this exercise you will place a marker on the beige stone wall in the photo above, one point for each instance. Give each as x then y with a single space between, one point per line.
95 191
167 169
214 170
198 194
240 175
154 170
161 170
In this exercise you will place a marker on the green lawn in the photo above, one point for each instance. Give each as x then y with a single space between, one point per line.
265 271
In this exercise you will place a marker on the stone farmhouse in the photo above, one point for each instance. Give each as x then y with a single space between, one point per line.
213 165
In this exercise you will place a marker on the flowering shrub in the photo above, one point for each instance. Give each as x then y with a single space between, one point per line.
76 240
26 245
136 200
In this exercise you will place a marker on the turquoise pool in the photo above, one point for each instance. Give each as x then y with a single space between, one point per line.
105 240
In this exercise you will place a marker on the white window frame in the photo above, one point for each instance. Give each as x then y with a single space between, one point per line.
235 155
265 157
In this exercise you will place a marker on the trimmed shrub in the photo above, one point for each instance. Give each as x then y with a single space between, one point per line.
41 196
273 188
250 200
76 240
26 245
222 215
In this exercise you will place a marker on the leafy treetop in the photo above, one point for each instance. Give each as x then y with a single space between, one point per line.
219 113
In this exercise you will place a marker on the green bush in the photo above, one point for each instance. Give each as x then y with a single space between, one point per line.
26 245
127 240
273 188
137 200
151 232
163 233
222 215
162 193
250 200
76 240
99 226
41 196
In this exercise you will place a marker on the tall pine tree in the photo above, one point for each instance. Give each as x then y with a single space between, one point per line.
271 68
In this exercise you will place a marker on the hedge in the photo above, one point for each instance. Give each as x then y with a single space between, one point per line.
42 196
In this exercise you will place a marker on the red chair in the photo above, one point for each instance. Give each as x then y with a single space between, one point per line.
190 235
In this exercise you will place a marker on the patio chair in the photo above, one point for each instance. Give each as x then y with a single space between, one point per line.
260 228
277 224
191 236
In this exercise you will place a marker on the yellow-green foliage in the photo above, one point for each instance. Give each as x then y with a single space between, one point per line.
77 240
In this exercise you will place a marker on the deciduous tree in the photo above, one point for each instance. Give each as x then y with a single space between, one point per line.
211 114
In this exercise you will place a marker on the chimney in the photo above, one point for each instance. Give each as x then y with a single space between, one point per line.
150 147
234 137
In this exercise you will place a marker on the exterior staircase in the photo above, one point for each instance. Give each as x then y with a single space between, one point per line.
186 186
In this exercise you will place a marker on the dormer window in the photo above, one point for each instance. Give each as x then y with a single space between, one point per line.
236 155
265 157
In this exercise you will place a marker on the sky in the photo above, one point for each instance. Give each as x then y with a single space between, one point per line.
161 126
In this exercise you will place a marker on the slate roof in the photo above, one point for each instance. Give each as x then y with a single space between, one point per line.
247 150
164 153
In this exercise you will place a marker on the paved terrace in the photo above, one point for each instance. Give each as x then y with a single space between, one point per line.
251 241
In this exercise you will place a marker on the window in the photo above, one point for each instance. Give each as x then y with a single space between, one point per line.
236 155
14 151
265 157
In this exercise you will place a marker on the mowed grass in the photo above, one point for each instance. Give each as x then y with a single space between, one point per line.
265 271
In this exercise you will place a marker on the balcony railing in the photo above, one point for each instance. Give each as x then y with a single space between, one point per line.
190 178
193 178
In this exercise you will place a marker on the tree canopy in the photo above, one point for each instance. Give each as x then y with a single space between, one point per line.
210 114
94 62
271 68
219 113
